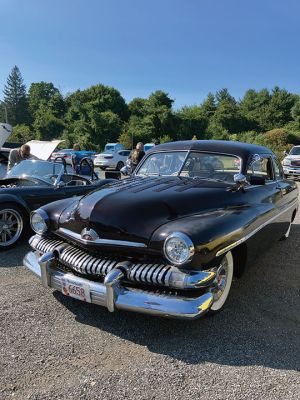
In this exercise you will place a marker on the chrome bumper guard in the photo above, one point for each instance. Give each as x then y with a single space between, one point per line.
112 294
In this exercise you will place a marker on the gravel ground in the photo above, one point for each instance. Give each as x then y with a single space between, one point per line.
53 347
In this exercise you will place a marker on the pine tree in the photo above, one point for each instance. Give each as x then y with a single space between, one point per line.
15 98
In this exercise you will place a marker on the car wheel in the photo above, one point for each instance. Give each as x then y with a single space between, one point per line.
11 226
223 282
120 165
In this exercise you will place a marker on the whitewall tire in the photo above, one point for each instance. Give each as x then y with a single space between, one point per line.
224 276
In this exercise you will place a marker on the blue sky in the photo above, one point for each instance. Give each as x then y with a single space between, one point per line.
184 47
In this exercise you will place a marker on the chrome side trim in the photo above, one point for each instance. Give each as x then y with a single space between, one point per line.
77 236
243 239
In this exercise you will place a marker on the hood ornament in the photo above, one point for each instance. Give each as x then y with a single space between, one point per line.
89 234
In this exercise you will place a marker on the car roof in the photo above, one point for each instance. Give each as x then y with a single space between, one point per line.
219 146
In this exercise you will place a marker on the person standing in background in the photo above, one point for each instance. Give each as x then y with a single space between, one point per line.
136 155
75 157
18 155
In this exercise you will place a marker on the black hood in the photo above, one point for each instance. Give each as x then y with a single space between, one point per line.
134 208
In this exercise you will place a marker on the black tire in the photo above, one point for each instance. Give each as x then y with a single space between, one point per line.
12 219
120 165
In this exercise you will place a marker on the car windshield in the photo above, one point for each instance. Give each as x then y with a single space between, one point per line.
295 151
191 164
47 171
109 148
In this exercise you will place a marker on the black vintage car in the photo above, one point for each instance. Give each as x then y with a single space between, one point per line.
169 240
32 184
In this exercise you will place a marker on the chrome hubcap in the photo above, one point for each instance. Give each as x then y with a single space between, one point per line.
11 226
221 279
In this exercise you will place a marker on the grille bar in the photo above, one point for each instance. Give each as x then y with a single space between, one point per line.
145 273
86 264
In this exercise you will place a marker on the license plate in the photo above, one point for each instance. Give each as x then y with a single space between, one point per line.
80 291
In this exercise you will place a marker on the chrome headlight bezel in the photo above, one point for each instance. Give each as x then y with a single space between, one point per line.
183 239
42 219
286 162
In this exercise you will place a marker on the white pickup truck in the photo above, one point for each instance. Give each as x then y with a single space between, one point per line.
291 162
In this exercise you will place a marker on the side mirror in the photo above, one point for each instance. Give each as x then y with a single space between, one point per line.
59 185
124 171
240 179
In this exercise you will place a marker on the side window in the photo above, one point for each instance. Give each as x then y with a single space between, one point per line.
263 168
278 169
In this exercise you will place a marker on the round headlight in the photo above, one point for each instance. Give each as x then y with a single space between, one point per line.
39 221
178 248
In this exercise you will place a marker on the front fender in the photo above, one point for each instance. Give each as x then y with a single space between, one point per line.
55 209
13 199
216 231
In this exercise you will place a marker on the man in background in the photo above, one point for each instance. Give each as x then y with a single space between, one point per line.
18 155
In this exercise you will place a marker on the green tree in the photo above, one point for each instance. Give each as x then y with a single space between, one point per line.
21 134
226 118
95 115
191 121
137 107
99 98
296 112
279 111
46 125
15 98
125 139
209 106
45 94
155 120
253 108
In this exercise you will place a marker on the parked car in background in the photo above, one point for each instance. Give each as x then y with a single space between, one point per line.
113 147
291 162
115 160
169 240
148 146
67 154
33 183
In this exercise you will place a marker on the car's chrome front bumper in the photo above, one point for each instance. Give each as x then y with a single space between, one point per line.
113 295
291 171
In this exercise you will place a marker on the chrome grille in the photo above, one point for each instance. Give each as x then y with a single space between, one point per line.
84 263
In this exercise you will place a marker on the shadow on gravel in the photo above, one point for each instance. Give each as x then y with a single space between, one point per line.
260 326
13 257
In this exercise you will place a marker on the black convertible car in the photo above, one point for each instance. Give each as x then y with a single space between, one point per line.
169 240
32 184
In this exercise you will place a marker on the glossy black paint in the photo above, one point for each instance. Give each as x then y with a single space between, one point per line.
213 214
